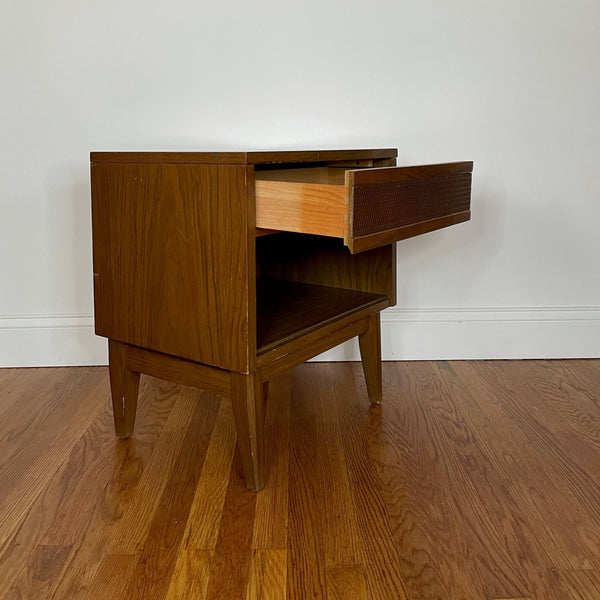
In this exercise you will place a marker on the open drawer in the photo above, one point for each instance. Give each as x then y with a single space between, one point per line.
367 207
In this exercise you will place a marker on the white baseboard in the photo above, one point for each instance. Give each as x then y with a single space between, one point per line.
50 341
407 334
484 333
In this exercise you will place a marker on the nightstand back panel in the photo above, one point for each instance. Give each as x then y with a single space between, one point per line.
326 261
172 267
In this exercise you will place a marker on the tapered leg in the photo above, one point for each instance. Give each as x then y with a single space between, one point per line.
124 385
247 393
370 352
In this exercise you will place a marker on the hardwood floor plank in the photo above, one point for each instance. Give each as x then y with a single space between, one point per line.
191 575
129 459
525 471
268 575
580 584
31 427
40 574
203 523
346 583
48 511
514 598
89 460
24 487
573 407
137 518
342 540
306 572
113 576
563 483
502 537
17 554
231 564
271 520
420 485
156 561
360 435
17 394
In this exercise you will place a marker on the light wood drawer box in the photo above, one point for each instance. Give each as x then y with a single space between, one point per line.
367 207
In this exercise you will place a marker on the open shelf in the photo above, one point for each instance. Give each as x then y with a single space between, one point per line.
287 310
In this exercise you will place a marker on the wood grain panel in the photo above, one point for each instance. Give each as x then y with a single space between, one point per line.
178 370
157 158
326 261
163 279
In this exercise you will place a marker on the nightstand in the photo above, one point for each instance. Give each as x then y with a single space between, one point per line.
222 270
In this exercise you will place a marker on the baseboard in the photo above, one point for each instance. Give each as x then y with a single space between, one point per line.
50 341
407 334
484 333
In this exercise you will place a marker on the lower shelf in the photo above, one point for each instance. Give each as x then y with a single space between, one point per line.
287 310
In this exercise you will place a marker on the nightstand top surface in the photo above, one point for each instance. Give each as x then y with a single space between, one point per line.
243 158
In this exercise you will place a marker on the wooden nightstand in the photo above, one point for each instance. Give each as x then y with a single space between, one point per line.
222 270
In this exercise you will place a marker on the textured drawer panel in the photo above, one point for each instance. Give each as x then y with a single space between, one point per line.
392 204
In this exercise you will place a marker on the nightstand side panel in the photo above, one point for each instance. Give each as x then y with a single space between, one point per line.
172 267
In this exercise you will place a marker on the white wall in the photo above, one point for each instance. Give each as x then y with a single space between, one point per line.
512 85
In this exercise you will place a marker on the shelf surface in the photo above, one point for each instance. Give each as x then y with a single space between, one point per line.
287 310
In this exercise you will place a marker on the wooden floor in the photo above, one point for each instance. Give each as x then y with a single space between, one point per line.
473 480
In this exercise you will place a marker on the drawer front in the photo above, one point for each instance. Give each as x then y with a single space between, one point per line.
391 204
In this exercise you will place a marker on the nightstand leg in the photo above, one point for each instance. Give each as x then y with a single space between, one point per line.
370 352
247 396
124 385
